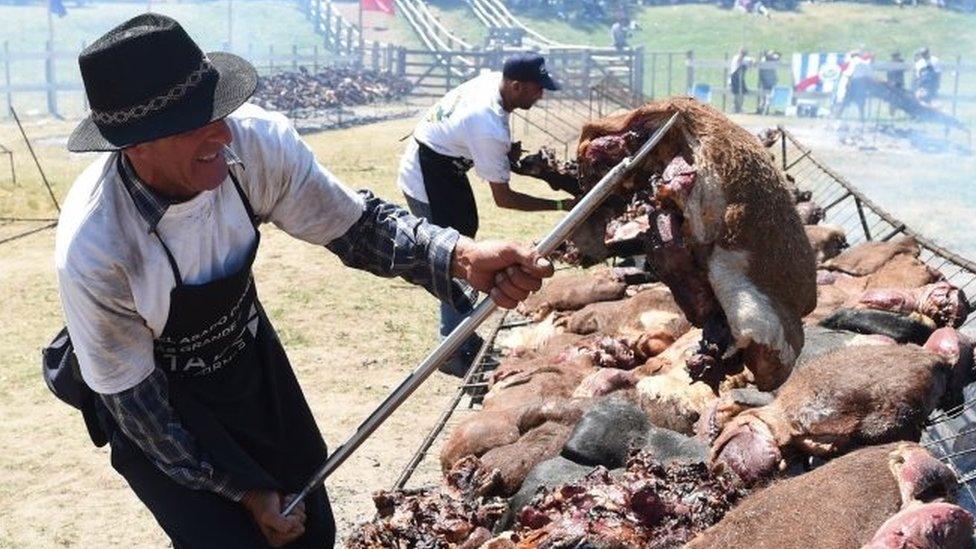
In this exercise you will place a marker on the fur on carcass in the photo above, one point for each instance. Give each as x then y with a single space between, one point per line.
748 273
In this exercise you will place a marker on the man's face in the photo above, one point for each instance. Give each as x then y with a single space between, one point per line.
185 164
527 94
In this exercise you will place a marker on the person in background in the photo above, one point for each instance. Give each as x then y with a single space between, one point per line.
895 78
737 77
767 80
469 128
619 33
928 76
855 83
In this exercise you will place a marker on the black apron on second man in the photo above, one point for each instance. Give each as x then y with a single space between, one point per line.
234 390
449 193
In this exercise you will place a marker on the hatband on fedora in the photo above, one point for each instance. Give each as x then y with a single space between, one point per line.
146 79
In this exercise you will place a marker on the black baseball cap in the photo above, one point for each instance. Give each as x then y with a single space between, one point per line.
529 67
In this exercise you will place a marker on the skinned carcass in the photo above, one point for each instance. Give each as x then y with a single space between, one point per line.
723 233
573 292
490 429
871 496
668 395
650 320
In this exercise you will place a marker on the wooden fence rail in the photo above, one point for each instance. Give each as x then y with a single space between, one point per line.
639 74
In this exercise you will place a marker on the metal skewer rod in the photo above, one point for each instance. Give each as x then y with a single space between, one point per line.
561 232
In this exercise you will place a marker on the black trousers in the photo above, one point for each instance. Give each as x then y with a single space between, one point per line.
202 519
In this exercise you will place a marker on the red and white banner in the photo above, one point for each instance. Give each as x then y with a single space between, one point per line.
818 72
385 6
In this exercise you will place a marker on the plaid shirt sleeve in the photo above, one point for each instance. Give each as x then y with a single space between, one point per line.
146 416
387 241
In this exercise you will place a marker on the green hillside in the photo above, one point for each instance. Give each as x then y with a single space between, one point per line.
711 31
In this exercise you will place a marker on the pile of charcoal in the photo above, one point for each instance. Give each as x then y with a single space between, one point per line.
303 93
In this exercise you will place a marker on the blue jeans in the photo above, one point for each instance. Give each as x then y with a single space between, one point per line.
450 317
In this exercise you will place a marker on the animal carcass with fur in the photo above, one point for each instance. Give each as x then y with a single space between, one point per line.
722 233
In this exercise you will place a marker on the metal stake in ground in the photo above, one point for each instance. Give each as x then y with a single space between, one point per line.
561 232
39 168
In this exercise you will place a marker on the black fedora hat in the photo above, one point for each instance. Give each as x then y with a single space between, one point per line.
147 79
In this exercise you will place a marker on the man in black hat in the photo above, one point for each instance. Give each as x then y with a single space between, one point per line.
469 127
191 386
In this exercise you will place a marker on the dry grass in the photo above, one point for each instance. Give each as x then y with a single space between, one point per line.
351 337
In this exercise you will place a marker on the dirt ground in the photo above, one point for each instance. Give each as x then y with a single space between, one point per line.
351 337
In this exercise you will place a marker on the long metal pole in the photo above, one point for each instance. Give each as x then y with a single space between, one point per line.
586 206
36 161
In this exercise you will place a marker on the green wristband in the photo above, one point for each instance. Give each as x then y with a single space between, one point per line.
559 205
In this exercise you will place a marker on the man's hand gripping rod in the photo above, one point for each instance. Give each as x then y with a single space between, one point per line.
561 232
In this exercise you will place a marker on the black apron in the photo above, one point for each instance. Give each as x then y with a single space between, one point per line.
449 193
234 390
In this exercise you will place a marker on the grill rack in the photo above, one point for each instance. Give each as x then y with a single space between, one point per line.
470 392
950 435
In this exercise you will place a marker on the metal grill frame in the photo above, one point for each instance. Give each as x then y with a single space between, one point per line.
950 435
471 391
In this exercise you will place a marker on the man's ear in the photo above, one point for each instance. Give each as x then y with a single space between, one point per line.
136 152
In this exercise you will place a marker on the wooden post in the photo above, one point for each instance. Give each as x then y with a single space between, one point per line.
955 87
587 65
653 75
670 68
449 87
725 78
327 27
638 71
52 81
401 61
6 76
376 55
689 71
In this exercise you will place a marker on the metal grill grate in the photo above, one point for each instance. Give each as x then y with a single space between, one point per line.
950 434
469 396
